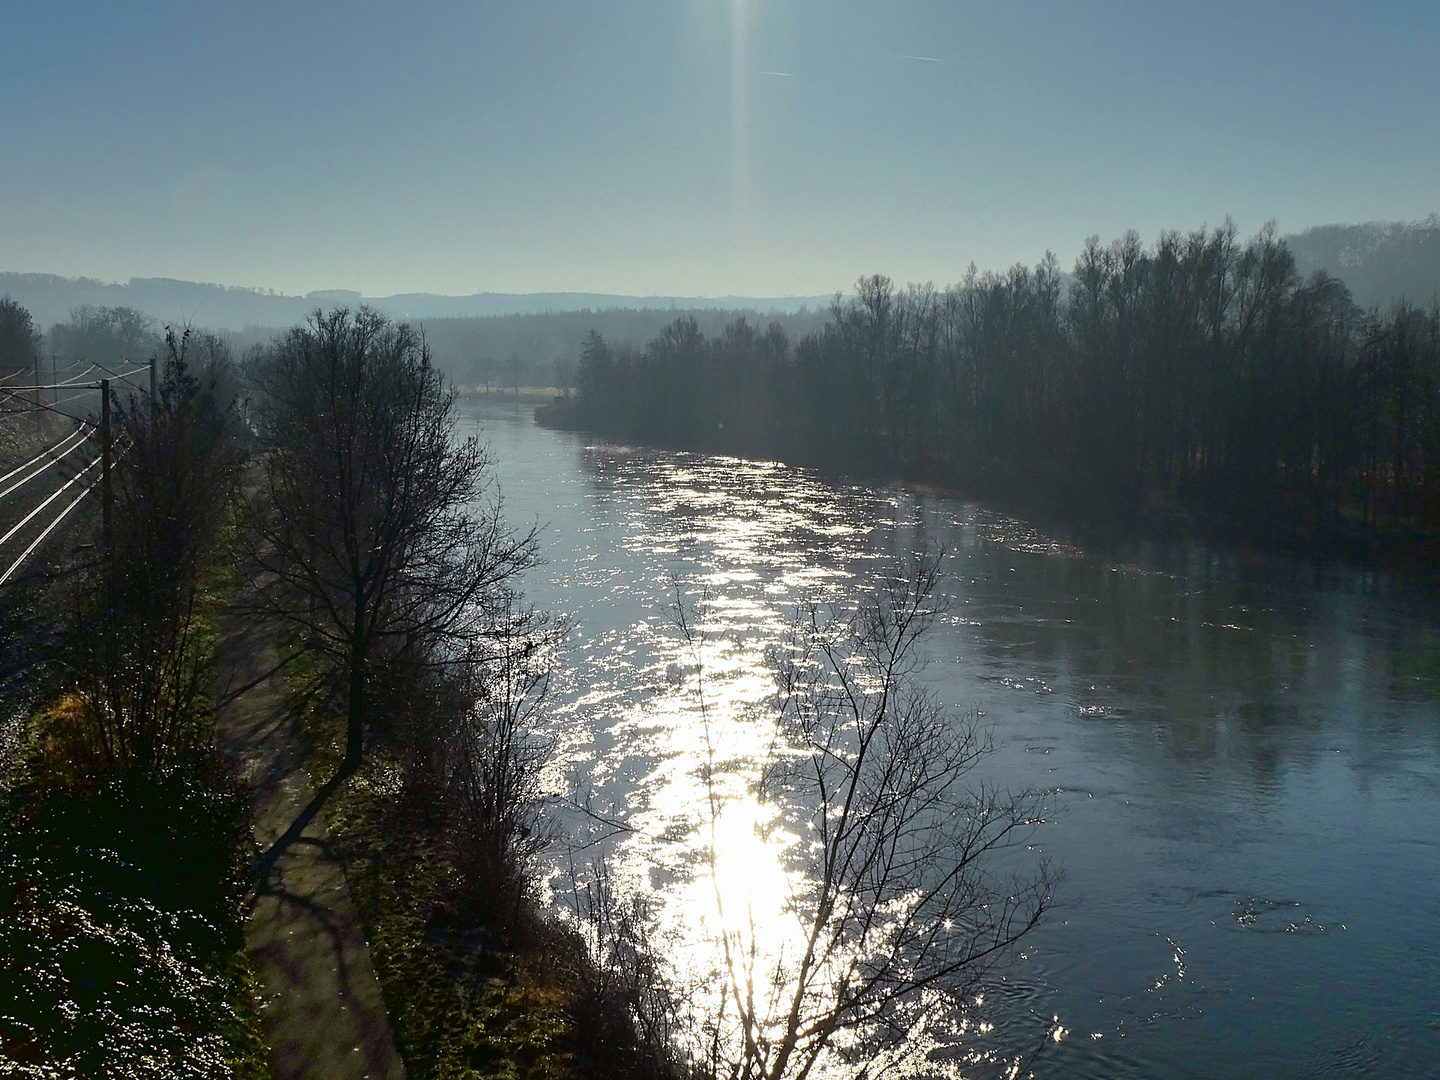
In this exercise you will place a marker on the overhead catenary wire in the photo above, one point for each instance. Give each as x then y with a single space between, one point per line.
73 397
122 373
49 407
75 384
93 363
54 460
67 382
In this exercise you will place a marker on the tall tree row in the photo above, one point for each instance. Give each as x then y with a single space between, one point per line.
1201 373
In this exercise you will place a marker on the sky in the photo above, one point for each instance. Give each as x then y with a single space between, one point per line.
688 147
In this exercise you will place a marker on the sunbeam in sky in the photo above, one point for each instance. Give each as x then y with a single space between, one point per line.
714 147
740 117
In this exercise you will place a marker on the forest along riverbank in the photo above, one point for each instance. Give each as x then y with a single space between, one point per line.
1241 751
1201 383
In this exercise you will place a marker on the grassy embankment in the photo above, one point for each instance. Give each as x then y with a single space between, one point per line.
469 995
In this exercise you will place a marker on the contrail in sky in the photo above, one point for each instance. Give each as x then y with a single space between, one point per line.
927 59
782 74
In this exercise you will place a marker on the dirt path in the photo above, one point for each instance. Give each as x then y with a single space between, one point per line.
323 1010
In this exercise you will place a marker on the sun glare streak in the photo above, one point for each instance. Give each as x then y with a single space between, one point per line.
740 112
749 888
720 861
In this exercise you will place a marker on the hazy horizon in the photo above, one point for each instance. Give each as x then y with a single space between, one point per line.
709 148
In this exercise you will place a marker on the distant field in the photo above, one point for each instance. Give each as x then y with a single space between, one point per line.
527 395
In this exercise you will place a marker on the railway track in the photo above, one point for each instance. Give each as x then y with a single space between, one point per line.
60 456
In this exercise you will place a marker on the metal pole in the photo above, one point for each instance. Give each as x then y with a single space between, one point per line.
152 392
105 494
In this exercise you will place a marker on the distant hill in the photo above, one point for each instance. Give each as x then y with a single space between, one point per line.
1381 262
50 298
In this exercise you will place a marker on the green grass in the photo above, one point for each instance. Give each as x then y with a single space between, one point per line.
460 1005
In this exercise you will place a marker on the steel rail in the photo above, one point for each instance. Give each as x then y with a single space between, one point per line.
37 457
48 530
55 495
53 461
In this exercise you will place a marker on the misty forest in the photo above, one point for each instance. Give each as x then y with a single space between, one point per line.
546 543
1203 375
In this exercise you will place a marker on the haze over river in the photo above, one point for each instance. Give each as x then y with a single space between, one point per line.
1243 754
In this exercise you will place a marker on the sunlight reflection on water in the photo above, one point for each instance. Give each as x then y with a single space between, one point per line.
1246 752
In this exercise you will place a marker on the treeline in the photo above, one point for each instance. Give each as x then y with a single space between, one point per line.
494 351
540 349
108 336
1201 375
1379 261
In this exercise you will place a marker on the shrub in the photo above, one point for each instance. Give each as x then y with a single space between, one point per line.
119 925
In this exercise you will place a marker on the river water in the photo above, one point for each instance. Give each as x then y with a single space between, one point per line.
1242 755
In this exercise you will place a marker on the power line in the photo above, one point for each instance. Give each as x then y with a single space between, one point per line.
75 383
122 373
93 366
67 382
14 392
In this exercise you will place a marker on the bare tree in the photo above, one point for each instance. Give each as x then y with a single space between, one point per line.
898 895
564 374
485 369
379 532
488 761
514 371
140 649
104 335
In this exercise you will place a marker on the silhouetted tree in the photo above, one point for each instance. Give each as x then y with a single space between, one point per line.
19 340
143 660
105 335
378 532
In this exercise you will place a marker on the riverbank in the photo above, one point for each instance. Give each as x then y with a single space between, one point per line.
1097 517
524 395
323 1014
470 987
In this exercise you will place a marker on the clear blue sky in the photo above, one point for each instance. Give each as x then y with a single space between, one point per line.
757 147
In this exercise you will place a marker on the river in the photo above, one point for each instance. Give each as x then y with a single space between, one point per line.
1242 754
